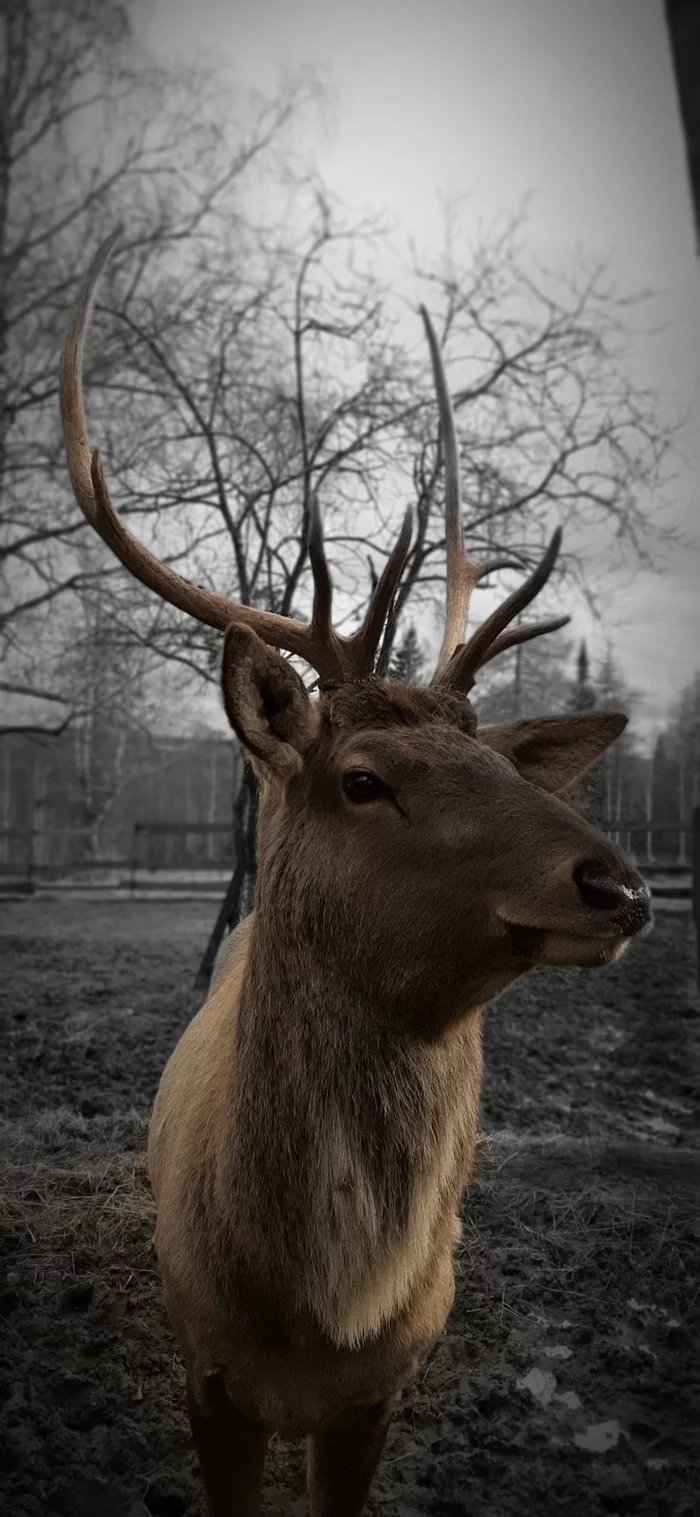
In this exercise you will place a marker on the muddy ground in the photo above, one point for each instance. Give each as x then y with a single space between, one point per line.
568 1380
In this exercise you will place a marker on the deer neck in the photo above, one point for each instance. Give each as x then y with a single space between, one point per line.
354 1135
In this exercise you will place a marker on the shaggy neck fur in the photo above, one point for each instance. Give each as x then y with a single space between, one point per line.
350 1138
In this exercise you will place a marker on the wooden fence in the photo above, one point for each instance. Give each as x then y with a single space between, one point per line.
142 866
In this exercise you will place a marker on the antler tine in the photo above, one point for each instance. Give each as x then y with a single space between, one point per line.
205 605
506 640
462 572
472 655
71 386
328 648
364 643
459 661
323 588
87 477
92 495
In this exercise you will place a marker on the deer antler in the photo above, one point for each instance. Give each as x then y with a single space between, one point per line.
330 654
462 572
459 661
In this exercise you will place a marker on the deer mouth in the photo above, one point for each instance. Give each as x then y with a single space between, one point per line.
555 948
569 951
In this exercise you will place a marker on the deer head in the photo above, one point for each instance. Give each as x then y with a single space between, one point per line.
430 860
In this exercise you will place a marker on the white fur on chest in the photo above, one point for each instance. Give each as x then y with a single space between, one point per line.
362 1268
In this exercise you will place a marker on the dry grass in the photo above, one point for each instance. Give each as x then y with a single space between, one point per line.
61 1129
96 1203
564 1204
576 1233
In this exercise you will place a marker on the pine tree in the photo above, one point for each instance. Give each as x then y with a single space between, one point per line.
408 659
583 695
531 681
590 794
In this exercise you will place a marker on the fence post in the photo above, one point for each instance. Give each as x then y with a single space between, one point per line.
36 831
237 902
134 858
696 884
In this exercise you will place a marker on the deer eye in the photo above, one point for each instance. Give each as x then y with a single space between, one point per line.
360 785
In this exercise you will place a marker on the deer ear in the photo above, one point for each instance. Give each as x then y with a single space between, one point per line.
554 751
266 702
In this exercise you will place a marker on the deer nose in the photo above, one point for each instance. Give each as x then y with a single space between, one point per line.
626 903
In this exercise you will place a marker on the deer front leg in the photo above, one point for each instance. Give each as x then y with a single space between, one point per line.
343 1457
231 1449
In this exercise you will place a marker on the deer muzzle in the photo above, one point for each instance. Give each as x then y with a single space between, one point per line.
621 905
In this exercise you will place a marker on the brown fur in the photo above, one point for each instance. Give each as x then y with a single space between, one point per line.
317 1123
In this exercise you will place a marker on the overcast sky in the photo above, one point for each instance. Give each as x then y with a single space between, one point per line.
571 103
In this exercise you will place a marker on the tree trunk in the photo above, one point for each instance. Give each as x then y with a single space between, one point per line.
238 900
696 885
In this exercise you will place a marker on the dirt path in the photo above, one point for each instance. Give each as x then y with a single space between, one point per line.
568 1380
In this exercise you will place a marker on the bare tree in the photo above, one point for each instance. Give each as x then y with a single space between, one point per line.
243 368
267 382
112 715
89 136
263 394
551 427
266 395
271 375
244 371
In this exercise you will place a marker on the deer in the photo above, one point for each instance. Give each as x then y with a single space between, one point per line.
317 1124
